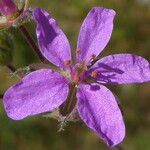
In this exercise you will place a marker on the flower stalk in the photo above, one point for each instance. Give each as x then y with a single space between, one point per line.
1 96
31 42
119 147
67 107
11 67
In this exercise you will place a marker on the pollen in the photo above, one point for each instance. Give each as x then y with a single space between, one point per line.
67 63
76 79
94 74
93 56
78 51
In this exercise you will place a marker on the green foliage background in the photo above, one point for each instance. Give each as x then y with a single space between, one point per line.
131 35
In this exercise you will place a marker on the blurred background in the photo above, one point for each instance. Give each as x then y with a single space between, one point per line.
131 35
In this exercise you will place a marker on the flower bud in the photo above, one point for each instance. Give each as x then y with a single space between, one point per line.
7 7
11 12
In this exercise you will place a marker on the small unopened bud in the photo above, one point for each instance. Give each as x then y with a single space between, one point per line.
11 12
7 7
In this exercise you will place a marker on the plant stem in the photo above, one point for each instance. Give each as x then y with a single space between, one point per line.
31 42
14 71
69 104
11 67
1 96
119 147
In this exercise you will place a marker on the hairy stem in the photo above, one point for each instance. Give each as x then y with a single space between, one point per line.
71 101
67 107
11 67
33 45
1 96
119 147
31 42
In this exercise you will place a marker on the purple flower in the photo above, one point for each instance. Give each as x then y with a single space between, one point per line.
7 7
44 90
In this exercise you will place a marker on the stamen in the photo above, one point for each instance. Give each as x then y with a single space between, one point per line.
80 69
93 56
76 78
67 63
94 74
78 51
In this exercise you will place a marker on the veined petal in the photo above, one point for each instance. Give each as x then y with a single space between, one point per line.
95 33
122 69
7 7
36 93
53 43
98 108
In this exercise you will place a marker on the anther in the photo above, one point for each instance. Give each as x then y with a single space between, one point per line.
93 56
94 74
76 78
67 63
78 51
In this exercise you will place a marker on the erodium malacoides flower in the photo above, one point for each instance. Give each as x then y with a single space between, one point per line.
45 90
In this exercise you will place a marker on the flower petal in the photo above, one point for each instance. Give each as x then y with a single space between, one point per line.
98 108
52 41
95 33
36 93
122 69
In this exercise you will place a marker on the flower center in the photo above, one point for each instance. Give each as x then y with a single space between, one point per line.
77 73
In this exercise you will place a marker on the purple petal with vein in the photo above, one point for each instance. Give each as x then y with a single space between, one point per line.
98 108
36 93
122 69
52 41
95 33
